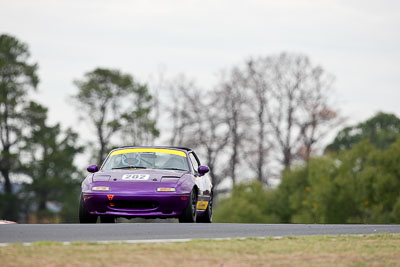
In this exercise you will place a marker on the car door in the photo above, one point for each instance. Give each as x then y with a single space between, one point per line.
202 182
195 166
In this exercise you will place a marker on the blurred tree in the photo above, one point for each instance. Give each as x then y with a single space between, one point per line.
49 157
197 122
28 146
298 109
257 81
17 77
112 101
248 203
383 175
356 185
179 89
139 127
275 105
381 130
232 103
360 185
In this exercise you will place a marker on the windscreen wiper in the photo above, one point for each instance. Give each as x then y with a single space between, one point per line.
175 169
130 167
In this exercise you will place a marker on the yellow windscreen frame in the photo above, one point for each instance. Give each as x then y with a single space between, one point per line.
156 150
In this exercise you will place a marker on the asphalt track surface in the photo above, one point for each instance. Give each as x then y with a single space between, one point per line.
11 233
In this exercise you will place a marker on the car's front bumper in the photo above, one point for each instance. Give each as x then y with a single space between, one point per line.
155 205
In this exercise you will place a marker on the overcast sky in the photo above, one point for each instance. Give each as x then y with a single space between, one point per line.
358 41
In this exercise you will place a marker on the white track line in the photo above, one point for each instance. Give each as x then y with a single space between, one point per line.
134 241
106 242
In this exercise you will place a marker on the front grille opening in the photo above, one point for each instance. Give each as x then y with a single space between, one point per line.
134 204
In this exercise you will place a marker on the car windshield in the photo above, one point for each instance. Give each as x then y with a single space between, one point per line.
166 159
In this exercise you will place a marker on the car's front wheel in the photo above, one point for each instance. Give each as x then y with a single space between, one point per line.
189 214
84 215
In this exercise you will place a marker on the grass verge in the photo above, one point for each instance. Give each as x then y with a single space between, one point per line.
369 250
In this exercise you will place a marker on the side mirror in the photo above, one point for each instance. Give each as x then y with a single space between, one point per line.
203 170
93 168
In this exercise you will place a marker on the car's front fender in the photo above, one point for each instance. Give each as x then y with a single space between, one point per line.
186 183
86 182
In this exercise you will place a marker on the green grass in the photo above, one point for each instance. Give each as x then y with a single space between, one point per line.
344 250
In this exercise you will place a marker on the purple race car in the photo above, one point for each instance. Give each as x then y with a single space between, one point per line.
148 182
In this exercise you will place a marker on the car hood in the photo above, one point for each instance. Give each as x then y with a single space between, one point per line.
153 175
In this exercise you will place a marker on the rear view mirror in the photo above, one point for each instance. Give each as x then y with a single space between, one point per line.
93 168
203 170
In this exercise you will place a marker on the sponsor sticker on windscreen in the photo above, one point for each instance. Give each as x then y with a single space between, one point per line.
135 177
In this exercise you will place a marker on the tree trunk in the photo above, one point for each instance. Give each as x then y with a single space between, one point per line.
42 203
7 182
235 147
102 146
5 169
260 161
287 157
100 155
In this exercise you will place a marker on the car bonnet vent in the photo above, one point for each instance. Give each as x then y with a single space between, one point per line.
101 178
170 179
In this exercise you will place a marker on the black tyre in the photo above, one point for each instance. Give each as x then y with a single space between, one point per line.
189 214
208 214
107 219
84 215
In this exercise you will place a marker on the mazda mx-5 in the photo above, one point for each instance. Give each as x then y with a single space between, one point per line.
147 182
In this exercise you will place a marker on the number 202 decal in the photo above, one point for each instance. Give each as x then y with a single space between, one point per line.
140 177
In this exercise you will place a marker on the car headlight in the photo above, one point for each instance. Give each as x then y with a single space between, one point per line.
166 189
100 188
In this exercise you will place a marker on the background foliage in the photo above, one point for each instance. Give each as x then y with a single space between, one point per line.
356 185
